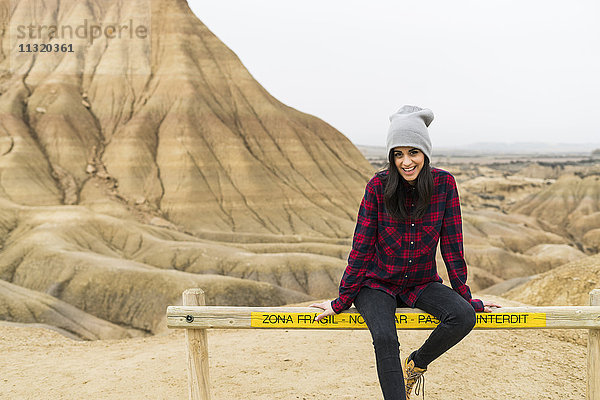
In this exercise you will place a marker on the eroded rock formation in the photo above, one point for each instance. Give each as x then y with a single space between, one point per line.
128 166
173 122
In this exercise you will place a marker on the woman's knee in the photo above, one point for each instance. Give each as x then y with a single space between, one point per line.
461 318
465 318
385 340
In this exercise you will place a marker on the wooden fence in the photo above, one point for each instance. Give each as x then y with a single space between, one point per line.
196 318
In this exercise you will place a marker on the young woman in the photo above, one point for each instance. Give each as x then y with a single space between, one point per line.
405 212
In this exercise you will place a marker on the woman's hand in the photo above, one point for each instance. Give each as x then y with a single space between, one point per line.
488 304
326 305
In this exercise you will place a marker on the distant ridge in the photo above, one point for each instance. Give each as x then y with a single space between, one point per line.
489 148
522 148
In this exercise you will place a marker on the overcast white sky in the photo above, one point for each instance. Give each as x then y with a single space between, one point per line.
491 70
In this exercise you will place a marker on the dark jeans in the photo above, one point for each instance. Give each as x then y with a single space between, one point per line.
378 308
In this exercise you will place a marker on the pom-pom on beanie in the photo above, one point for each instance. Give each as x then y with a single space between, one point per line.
409 128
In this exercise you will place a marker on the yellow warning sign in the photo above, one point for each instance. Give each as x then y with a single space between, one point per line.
511 320
403 321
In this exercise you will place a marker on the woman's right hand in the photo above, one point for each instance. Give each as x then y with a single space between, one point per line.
326 305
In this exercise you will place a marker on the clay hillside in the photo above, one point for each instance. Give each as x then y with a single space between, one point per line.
526 221
131 170
127 172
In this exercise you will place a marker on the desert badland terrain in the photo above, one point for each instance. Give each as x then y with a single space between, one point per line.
132 170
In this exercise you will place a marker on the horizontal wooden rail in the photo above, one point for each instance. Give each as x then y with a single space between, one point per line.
196 318
221 317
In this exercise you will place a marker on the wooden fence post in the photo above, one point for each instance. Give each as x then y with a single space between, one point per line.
197 351
593 378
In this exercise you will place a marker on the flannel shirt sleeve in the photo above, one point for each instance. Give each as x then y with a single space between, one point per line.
451 244
363 249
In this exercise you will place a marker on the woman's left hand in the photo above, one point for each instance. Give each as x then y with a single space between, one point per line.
488 304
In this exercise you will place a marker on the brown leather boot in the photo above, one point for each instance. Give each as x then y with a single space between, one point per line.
413 377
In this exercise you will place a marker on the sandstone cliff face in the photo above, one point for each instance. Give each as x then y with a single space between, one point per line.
173 122
130 165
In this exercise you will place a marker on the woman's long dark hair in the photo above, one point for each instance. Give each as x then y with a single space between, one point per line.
394 193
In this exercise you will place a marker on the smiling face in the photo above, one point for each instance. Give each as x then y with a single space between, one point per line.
409 161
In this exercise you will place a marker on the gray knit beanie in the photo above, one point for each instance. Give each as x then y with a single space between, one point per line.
409 128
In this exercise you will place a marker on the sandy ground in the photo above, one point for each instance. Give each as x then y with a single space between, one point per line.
277 364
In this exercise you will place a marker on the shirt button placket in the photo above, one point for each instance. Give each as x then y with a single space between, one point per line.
411 244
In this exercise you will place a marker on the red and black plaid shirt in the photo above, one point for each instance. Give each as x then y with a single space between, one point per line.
399 257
